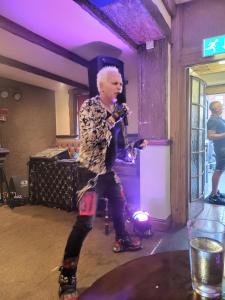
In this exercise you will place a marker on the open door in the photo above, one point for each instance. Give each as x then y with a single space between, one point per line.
197 144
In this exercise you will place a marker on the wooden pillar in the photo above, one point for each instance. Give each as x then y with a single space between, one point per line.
153 67
179 110
153 125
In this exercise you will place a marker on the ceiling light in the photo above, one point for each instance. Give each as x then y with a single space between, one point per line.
222 62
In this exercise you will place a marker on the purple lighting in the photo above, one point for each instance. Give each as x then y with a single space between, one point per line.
141 216
142 224
100 3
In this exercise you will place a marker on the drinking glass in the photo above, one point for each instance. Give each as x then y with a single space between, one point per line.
206 252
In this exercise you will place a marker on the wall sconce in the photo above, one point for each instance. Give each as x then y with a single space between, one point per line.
13 93
4 94
17 96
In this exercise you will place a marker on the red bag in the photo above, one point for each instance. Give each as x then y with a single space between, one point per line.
88 204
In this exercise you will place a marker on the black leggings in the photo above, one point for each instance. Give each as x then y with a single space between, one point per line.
107 186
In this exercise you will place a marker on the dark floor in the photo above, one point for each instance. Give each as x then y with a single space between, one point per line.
33 240
32 244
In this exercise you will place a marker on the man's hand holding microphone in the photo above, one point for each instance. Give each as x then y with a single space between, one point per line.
120 112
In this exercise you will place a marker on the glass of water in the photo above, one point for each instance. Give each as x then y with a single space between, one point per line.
206 251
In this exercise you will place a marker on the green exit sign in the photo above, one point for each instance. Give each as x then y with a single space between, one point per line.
214 45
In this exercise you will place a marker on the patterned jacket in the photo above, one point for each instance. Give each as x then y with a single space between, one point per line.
95 135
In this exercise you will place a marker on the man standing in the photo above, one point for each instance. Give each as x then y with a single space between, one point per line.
216 133
101 123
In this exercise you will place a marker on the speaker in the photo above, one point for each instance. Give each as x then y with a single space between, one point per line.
96 65
18 187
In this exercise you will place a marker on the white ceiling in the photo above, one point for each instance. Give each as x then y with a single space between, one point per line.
63 23
212 74
214 78
26 77
66 24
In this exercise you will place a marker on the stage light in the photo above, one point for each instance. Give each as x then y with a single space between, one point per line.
142 224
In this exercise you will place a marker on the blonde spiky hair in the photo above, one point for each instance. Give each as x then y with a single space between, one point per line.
103 73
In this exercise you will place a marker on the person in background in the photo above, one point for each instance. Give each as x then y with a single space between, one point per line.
73 152
216 133
101 128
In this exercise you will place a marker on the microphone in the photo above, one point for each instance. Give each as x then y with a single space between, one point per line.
120 113
125 121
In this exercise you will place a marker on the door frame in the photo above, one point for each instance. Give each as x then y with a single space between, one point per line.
179 126
194 207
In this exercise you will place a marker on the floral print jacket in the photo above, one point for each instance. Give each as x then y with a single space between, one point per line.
95 135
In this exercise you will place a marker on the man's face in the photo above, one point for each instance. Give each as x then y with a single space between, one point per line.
112 86
218 108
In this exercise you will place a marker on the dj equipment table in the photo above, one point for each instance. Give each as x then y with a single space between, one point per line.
53 182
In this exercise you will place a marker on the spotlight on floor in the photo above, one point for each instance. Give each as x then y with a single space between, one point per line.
142 224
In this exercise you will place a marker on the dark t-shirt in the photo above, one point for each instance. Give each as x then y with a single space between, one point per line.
112 149
217 124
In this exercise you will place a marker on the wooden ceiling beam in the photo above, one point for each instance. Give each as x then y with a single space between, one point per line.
32 37
158 17
34 70
170 7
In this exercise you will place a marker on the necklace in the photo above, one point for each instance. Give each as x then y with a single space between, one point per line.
109 108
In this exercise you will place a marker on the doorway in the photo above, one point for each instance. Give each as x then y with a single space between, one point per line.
211 155
206 84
